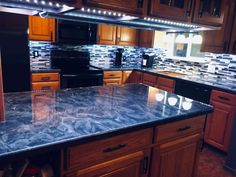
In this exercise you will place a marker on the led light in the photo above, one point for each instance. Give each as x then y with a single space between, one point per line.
104 12
145 18
99 11
94 11
57 4
50 3
114 14
148 19
109 13
43 2
27 0
119 14
123 15
82 9
36 1
88 10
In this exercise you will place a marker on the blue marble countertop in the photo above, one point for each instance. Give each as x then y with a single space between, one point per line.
214 81
44 119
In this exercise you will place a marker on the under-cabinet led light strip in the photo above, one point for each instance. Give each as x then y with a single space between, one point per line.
167 22
102 12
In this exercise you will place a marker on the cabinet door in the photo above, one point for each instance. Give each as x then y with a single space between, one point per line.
126 77
232 48
107 34
41 29
146 38
127 36
210 12
131 165
217 41
138 7
136 77
174 10
219 125
116 81
176 158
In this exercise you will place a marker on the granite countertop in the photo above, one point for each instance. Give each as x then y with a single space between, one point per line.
44 119
44 70
209 79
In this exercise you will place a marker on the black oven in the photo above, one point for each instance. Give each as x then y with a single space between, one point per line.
70 32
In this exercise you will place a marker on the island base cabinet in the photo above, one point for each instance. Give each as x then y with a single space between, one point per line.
177 158
131 165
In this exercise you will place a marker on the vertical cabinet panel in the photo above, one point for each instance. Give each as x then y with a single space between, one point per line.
2 108
219 125
232 48
127 36
146 38
176 158
41 29
107 34
178 10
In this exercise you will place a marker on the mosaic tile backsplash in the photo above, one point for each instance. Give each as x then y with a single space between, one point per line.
104 55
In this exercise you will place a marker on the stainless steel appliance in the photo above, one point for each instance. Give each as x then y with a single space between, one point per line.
75 69
147 61
71 32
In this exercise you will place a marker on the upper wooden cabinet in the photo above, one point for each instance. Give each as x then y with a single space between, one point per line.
107 34
41 29
178 10
221 41
232 47
146 38
127 36
211 12
112 35
137 7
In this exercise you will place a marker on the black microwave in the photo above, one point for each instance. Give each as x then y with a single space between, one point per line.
71 32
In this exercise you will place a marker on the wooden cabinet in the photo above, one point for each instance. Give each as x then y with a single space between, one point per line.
220 123
146 38
127 36
211 12
232 47
112 35
45 81
41 29
126 77
112 77
218 41
118 156
149 79
174 10
137 7
107 34
132 77
177 150
165 84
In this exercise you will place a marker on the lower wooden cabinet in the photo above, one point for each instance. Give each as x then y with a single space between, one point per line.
177 158
220 123
149 79
112 77
45 81
165 84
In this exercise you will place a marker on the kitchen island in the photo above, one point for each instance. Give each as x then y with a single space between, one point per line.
106 130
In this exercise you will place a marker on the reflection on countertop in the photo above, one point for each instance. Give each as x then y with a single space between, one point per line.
46 118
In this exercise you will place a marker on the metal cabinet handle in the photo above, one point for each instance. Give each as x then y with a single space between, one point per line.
183 129
145 164
110 149
140 3
45 78
223 98
200 9
188 12
46 88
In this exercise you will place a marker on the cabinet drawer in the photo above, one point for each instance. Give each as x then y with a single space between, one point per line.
45 77
223 97
85 155
45 86
112 81
165 82
180 128
149 79
112 74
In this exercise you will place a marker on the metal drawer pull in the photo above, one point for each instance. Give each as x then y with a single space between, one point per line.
45 78
183 129
46 88
110 149
223 98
